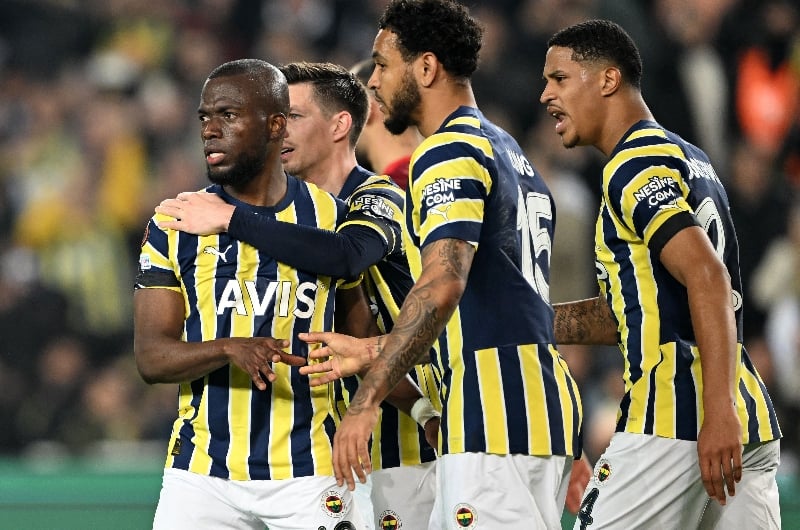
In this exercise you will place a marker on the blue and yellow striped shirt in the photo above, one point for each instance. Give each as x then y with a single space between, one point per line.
377 202
504 387
652 176
226 427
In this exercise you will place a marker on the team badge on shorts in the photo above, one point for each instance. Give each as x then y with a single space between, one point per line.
465 515
602 471
390 521
332 504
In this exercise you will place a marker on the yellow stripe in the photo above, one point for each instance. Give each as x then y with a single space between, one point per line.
471 121
643 133
565 383
751 382
201 462
409 440
494 410
241 394
539 435
455 401
240 397
665 423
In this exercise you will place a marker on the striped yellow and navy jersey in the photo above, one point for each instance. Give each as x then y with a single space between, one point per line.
651 181
377 202
504 387
226 427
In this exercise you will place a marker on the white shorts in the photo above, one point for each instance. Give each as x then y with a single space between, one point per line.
191 501
403 497
644 481
512 492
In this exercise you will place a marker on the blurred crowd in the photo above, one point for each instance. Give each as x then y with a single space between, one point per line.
98 124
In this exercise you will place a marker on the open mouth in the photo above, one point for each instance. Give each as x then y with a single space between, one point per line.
214 157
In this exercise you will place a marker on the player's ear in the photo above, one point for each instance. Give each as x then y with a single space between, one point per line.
611 80
426 67
277 126
342 122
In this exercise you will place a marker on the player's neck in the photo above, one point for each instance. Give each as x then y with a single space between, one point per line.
439 103
331 173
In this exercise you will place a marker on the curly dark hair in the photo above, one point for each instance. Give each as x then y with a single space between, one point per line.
335 89
602 40
442 27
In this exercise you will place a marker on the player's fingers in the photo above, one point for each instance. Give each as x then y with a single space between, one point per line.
363 456
258 380
186 195
729 472
170 225
718 482
172 211
169 203
288 358
321 380
737 466
317 368
315 336
705 476
342 461
338 464
266 371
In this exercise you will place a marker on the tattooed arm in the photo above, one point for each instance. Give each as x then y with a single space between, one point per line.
585 322
427 308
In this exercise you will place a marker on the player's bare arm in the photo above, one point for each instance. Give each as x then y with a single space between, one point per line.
690 258
426 310
197 213
587 321
353 315
162 357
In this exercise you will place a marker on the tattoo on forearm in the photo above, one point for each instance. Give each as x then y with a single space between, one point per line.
584 322
452 255
420 322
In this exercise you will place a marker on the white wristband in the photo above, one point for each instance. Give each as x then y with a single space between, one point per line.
423 410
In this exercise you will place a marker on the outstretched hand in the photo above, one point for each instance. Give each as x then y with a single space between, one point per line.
198 213
719 451
342 356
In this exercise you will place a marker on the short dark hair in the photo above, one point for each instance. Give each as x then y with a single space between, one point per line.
442 27
602 40
268 76
335 89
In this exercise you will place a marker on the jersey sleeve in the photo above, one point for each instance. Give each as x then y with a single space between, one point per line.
155 267
646 192
449 185
378 204
341 254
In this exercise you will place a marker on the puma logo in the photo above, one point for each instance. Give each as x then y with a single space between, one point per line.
215 252
440 210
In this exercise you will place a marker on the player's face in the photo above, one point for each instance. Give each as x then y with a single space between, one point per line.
309 133
234 130
572 96
394 84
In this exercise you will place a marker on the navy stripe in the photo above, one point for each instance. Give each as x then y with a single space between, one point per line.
513 392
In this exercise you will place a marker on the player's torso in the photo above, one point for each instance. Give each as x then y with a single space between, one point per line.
471 181
227 427
649 178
